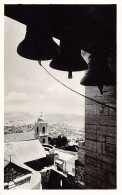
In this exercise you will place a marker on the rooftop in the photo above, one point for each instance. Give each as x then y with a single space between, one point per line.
41 118
24 151
65 155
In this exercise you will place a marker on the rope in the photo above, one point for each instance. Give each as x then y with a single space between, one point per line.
114 108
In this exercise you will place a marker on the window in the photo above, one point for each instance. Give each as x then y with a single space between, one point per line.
43 130
43 141
37 130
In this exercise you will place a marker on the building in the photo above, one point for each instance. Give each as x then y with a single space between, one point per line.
66 161
41 130
19 176
24 151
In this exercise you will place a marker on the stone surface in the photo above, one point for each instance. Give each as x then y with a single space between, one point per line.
100 140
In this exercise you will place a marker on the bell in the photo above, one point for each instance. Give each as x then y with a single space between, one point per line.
38 45
69 60
98 73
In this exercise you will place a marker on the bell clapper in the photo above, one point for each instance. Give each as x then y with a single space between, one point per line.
40 62
70 75
100 87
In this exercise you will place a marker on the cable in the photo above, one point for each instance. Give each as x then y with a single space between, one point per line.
114 108
108 99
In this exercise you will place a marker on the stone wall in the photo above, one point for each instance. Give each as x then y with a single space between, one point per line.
100 139
79 171
79 163
54 179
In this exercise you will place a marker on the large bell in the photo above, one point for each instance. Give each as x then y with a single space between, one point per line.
99 73
38 45
70 59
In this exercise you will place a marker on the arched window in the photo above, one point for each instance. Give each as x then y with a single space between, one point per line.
43 130
43 141
37 130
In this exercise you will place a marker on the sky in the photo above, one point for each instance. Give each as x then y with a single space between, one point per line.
28 88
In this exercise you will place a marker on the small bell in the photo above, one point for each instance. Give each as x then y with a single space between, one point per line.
99 73
70 59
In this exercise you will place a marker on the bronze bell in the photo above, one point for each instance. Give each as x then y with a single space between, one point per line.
70 59
38 45
98 73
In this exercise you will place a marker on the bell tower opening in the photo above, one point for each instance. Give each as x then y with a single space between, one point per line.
43 130
37 130
43 141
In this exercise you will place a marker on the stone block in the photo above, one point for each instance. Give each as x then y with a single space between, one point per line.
102 110
97 173
109 150
90 91
100 138
90 154
101 99
102 120
90 161
111 111
99 147
100 157
92 137
105 158
91 129
90 109
111 140
88 102
91 125
108 167
90 145
107 131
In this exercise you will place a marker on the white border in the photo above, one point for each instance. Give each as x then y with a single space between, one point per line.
119 98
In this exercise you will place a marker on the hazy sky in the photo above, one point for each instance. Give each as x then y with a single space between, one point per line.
28 88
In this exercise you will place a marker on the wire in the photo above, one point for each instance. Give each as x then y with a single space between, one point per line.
108 99
114 108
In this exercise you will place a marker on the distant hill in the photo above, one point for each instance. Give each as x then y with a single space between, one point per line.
18 117
62 117
70 119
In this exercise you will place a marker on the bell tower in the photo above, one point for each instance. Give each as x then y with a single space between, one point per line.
41 130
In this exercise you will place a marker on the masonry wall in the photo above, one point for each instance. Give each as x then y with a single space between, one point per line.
79 163
52 179
100 139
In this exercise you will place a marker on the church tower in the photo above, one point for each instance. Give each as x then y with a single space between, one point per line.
41 130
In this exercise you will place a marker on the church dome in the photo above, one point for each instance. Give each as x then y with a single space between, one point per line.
40 119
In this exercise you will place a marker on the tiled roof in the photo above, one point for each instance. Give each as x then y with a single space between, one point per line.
25 151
